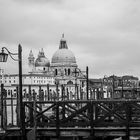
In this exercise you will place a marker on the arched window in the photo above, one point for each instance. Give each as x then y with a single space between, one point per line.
68 71
55 71
70 82
65 71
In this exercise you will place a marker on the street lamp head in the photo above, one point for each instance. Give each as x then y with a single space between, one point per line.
3 56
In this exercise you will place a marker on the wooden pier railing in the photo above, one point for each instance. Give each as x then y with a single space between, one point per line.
81 117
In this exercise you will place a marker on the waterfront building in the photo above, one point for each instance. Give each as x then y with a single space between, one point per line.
126 86
59 79
114 87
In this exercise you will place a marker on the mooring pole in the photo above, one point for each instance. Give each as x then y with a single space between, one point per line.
128 120
87 82
2 89
22 124
48 91
57 121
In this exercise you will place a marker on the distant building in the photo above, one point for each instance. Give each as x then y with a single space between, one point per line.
114 87
121 86
54 78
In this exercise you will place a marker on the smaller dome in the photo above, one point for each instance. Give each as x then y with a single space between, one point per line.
42 61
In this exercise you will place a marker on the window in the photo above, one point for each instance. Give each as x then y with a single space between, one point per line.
55 71
9 92
70 83
68 71
65 72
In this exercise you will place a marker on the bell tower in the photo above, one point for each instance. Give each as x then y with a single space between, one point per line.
31 62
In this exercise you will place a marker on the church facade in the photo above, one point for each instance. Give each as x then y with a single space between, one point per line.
58 79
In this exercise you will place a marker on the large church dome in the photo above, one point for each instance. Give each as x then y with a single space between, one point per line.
42 61
63 56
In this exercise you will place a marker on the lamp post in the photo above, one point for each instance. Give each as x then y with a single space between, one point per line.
3 58
87 86
122 88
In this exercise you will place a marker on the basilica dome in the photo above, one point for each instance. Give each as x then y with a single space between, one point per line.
63 56
42 61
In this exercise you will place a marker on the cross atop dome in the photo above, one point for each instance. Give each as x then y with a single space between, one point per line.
63 43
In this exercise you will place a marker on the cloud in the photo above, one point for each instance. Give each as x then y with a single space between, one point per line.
102 34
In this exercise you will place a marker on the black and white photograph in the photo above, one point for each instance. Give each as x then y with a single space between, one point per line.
69 70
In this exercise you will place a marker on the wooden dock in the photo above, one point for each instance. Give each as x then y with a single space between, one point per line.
89 118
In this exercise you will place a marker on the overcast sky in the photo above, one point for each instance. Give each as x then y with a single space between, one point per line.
103 34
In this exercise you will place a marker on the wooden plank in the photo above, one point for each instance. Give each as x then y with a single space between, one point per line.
57 121
74 114
31 135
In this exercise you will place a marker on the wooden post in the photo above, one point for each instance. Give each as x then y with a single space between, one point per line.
96 111
91 118
68 94
63 105
23 113
57 96
12 112
40 105
87 82
4 109
29 93
22 124
17 107
76 86
57 120
31 135
31 106
122 89
48 90
63 110
35 121
77 90
2 90
40 96
128 119
62 92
